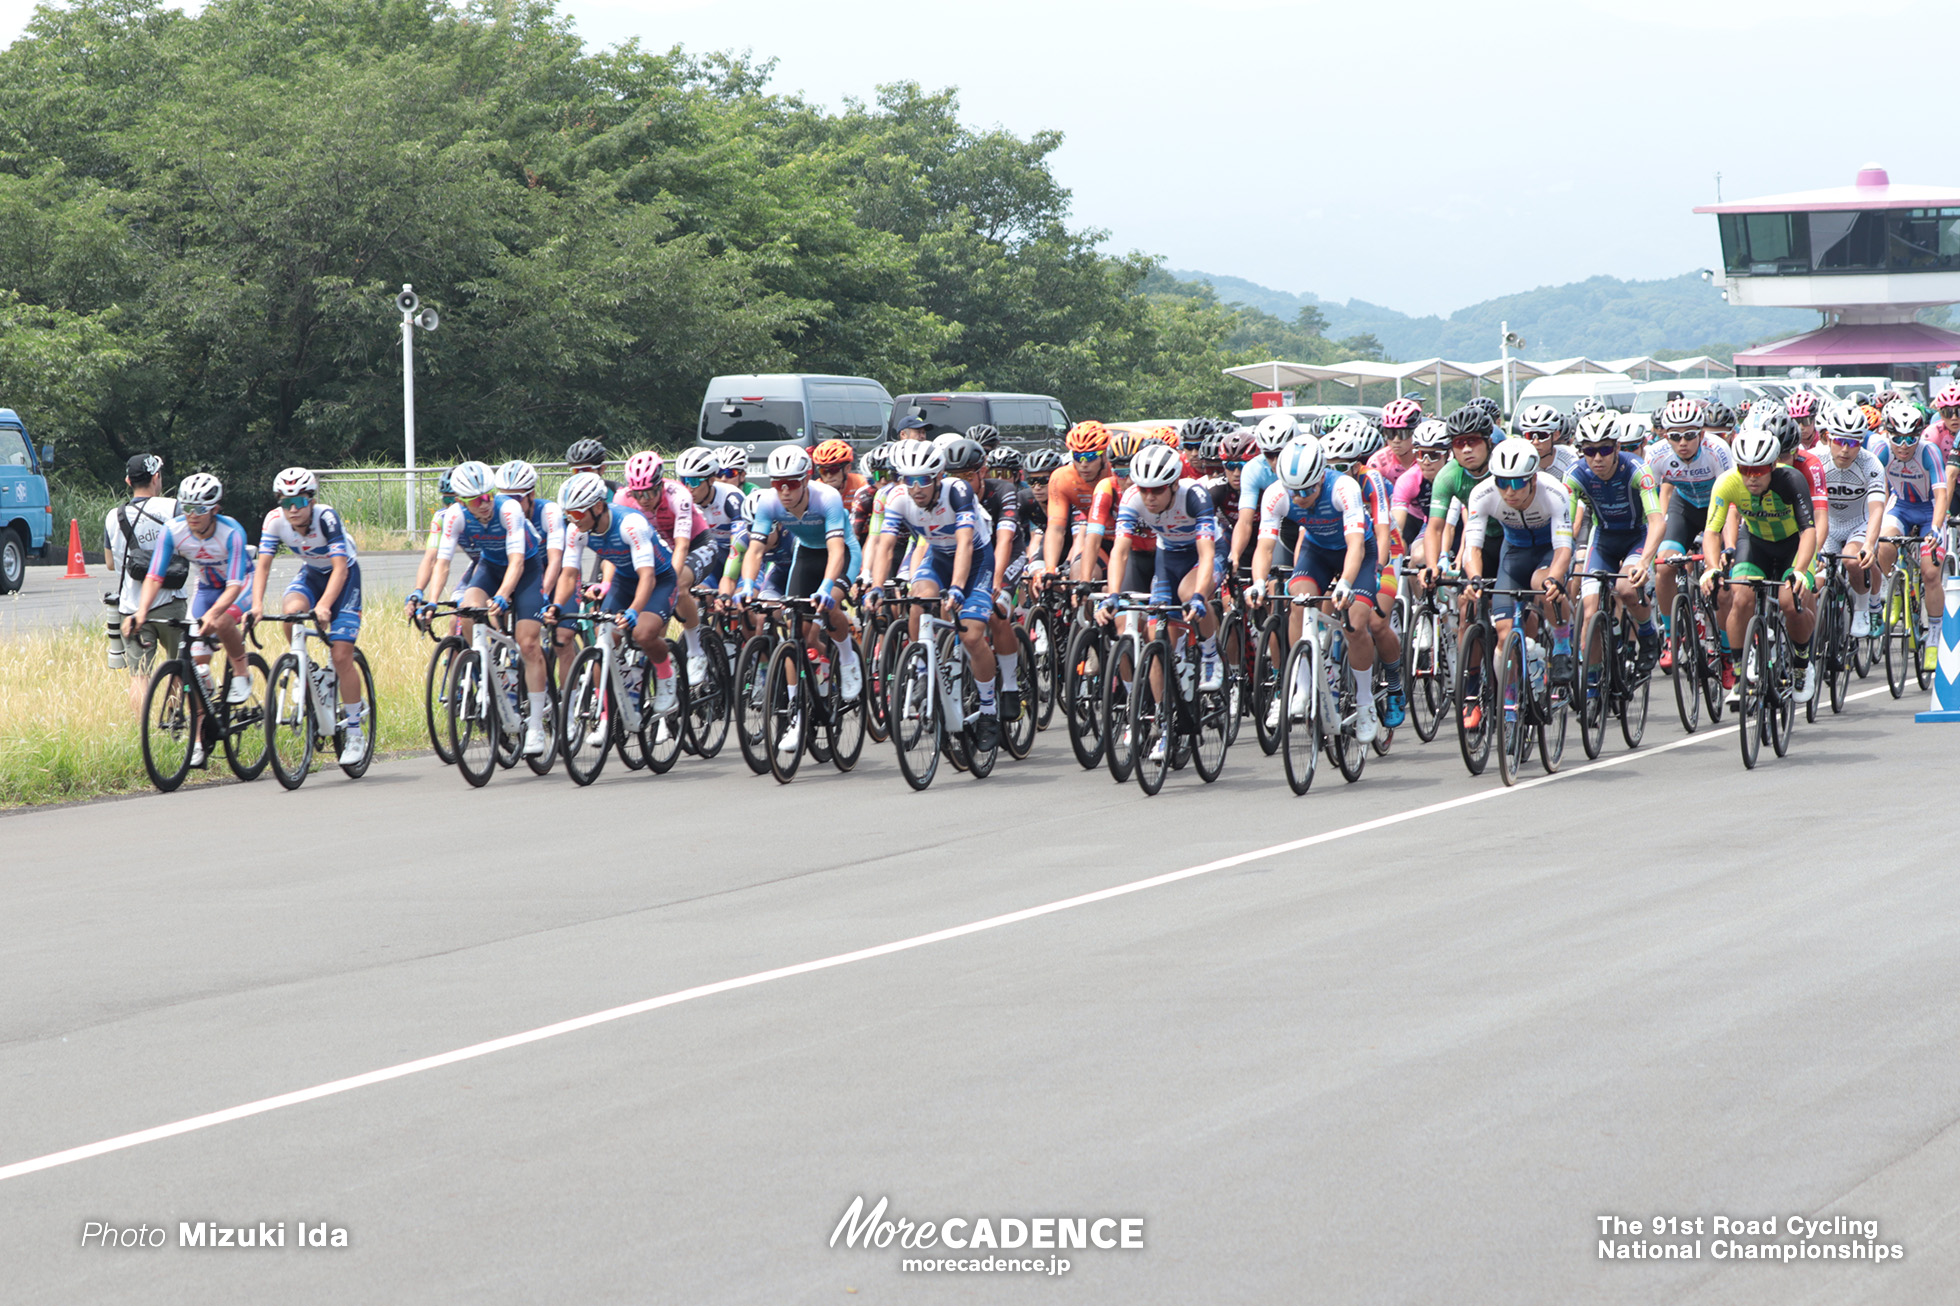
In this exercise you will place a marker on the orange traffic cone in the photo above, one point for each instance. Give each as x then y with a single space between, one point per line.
77 568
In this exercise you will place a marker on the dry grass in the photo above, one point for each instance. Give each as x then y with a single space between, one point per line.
66 730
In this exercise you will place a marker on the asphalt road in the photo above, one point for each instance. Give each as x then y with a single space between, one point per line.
47 599
1411 1062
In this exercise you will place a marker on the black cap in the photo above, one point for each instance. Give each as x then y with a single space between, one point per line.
143 466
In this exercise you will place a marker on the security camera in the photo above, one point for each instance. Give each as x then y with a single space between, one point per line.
407 301
426 319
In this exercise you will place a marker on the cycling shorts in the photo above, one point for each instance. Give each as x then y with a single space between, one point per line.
1685 524
937 567
345 627
527 603
625 584
1324 566
205 596
1611 551
1173 565
1767 559
1841 537
1515 567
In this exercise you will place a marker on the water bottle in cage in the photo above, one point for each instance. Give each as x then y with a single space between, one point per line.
323 682
635 676
820 666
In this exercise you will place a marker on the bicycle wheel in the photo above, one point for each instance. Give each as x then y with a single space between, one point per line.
1047 663
1708 667
1595 681
1921 672
1780 702
370 724
247 750
1153 715
1350 754
289 728
1268 663
1300 727
785 717
1513 708
1475 696
663 733
846 728
435 692
1231 657
708 702
881 641
1684 650
1117 717
1631 685
1554 714
1749 703
474 727
584 721
965 756
913 715
1898 649
1082 694
1213 720
751 676
508 677
1838 655
167 724
1017 736
1421 682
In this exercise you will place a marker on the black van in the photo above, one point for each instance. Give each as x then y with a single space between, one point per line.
1023 420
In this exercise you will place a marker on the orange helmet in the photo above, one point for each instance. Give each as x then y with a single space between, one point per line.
1124 445
1164 435
1873 418
833 453
1088 437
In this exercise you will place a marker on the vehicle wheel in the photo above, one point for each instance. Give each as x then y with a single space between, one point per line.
1017 736
474 727
1300 733
1082 694
370 724
1268 664
167 726
662 734
584 723
435 695
1475 696
1153 716
1685 651
1120 753
247 748
912 716
751 677
708 705
1595 681
13 561
1513 708
1749 704
785 716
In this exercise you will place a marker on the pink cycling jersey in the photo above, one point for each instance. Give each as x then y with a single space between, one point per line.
1412 493
672 512
1391 467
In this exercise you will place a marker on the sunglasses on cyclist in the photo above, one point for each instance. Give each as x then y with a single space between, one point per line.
1468 442
695 482
1905 439
915 482
295 501
481 500
1950 412
1683 435
1848 441
1516 482
1088 457
1038 482
787 482
1747 470
1119 469
1598 450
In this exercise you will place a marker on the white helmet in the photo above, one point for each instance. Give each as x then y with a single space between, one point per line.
1843 418
1513 458
1157 465
918 458
1275 431
1433 434
1755 449
1348 442
748 506
945 439
1599 427
732 458
200 492
1302 464
1539 419
787 462
294 480
582 491
516 477
470 480
697 461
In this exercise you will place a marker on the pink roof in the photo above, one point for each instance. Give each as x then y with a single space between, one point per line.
1874 190
1898 342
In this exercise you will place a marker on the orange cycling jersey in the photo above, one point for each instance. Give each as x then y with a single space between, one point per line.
1102 512
1068 494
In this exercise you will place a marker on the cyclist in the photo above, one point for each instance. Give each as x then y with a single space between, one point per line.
1779 539
1176 514
717 515
1469 429
1942 432
1802 407
1006 463
214 545
1718 420
1534 514
507 574
1236 448
1542 424
1398 429
733 460
1099 531
129 534
1071 492
519 480
984 434
1854 486
1347 451
643 579
833 459
868 504
328 585
1687 462
1274 432
1040 468
670 508
824 555
999 502
588 455
1409 504
427 566
958 562
1618 494
1916 480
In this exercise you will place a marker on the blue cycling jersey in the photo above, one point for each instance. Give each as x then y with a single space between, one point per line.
1338 509
1621 500
824 516
489 541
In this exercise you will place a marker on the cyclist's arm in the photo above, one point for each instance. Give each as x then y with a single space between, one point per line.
838 557
1207 566
962 558
261 569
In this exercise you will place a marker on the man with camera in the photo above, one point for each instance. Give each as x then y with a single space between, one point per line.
129 540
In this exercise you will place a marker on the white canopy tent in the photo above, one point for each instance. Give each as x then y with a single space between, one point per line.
1640 363
1682 366
1356 373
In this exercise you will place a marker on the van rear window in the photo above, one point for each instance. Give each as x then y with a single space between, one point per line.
738 421
949 414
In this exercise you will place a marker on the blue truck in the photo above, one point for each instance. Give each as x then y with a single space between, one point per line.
26 516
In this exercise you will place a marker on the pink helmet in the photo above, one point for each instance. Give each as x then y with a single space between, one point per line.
1802 404
1401 415
643 471
1948 397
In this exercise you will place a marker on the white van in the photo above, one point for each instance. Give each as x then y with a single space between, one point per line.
1651 396
1614 389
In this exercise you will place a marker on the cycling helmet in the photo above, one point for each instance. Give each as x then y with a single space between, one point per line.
201 491
1859 397
1237 446
749 501
696 461
586 453
1156 466
1401 415
1275 431
1538 419
1302 464
984 434
1742 411
878 460
1803 403
1006 459
1124 446
584 490
1489 405
1760 410
643 470
1635 435
516 477
443 484
1433 434
471 480
1470 420
1843 419
1088 437
733 458
1514 457
964 455
1948 397
1164 435
945 438
1328 422
1718 417
1209 446
1778 426
1584 406
833 453
1902 418
294 480
1347 442
1873 418
916 458
1681 414
1599 426
787 462
1754 449
1044 462
1191 432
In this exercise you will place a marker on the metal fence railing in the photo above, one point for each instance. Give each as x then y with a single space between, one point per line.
398 499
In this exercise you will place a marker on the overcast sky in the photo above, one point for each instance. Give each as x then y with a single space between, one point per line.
1417 154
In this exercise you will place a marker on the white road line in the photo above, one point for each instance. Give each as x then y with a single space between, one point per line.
470 1053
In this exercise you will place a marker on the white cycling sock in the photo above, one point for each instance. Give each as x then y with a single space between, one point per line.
692 638
1010 670
539 698
847 654
986 688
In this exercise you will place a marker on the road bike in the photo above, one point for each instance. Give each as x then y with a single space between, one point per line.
183 712
1833 646
1614 680
303 706
1172 720
604 706
1428 655
1319 694
1694 644
1902 600
803 703
489 703
711 702
1766 687
934 702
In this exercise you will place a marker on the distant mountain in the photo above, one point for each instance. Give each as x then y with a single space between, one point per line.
1602 317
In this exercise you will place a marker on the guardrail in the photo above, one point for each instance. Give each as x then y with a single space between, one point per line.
398 499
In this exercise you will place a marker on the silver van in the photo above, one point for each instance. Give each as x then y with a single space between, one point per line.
1024 421
761 411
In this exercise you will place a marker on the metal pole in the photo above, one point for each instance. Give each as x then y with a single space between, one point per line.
1504 347
408 413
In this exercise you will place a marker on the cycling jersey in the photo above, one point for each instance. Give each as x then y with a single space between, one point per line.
1621 500
1224 504
1380 496
1564 457
1068 492
318 545
1911 477
217 560
1452 488
1102 518
1259 474
1384 461
867 499
1412 493
1692 478
953 509
549 519
1001 501
1780 512
1339 509
1185 520
1850 490
671 510
823 517
1545 521
508 531
629 542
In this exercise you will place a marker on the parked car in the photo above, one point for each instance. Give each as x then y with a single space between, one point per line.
1651 396
1616 390
1023 420
1305 414
762 411
26 515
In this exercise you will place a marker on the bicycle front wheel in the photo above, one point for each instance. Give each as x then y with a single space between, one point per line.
1684 651
474 730
1017 735
912 716
169 724
1632 686
785 714
662 734
1296 691
370 722
584 721
1513 708
751 678
1268 665
1475 697
1153 716
708 705
1595 682
1750 679
1422 683
435 695
289 723
1119 738
1082 695
246 747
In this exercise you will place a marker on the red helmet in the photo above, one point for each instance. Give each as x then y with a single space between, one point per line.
1238 447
